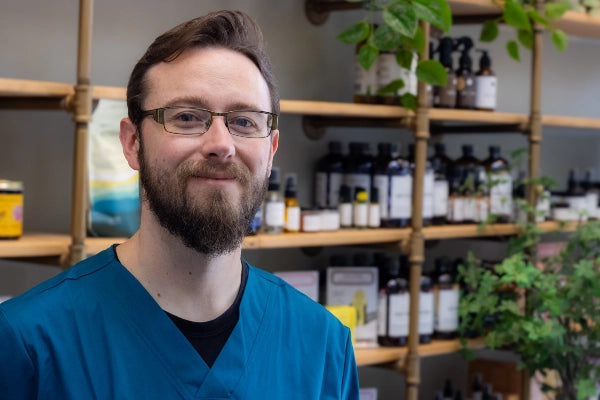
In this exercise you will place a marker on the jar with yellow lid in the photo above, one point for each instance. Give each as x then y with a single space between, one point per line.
11 209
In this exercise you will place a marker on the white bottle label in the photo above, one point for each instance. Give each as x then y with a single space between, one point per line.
426 312
399 309
440 198
374 218
456 209
360 218
470 209
382 183
400 197
446 316
485 94
365 82
345 214
274 214
501 193
292 223
428 194
382 314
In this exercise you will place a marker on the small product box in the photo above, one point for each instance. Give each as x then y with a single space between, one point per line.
357 287
305 281
368 393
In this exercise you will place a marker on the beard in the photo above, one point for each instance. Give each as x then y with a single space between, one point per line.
213 225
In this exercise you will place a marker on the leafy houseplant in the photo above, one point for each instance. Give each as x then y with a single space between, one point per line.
399 32
549 315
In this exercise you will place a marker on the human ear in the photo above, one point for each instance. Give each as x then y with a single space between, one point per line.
130 141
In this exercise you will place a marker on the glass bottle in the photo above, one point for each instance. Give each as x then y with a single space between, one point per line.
445 96
374 219
441 164
393 307
426 310
499 184
392 176
291 218
345 207
446 300
456 197
360 208
471 169
329 176
365 81
428 184
358 167
274 205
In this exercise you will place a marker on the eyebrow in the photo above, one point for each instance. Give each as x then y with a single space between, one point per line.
202 102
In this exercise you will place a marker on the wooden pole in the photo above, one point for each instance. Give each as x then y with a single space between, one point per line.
535 118
82 109
417 241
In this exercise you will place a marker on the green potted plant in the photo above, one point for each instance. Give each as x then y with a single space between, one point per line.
546 310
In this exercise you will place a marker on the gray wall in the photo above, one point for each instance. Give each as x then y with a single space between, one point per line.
40 40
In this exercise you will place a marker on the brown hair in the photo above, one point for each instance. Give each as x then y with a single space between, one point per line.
233 30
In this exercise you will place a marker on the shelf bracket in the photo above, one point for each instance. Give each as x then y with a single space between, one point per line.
317 11
315 126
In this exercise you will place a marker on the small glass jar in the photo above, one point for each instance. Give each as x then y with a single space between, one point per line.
11 209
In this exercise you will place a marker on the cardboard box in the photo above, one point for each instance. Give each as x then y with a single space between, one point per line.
357 287
305 281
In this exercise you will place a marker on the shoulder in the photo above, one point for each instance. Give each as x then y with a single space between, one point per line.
55 293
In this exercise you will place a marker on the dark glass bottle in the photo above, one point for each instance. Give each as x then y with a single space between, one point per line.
499 184
428 185
445 96
392 176
329 175
441 165
446 300
477 388
426 310
456 197
465 78
471 171
393 307
448 392
358 167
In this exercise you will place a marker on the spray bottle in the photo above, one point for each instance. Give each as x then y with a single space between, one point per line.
486 83
445 96
465 79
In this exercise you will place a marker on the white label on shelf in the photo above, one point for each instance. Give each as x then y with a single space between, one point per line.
292 222
501 193
399 310
360 217
446 316
401 197
428 184
274 213
470 209
456 209
485 93
426 312
440 198
382 183
382 314
345 214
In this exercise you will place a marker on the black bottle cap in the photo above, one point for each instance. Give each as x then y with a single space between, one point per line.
465 61
440 148
404 266
355 147
448 391
442 266
494 150
484 62
467 149
445 49
426 284
345 195
274 179
365 148
384 148
335 147
374 195
290 186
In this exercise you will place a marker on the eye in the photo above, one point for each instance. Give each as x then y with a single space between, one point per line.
242 122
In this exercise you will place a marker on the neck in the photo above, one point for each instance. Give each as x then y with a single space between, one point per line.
184 282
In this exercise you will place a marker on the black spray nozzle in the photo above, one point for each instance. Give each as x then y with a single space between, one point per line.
445 47
464 44
484 61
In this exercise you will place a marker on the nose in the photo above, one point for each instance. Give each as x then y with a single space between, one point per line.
217 142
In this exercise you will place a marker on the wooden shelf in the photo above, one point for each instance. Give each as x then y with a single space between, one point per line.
35 245
384 355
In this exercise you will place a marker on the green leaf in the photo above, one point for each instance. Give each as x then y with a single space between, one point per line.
586 388
489 31
436 12
401 17
535 16
432 72
409 101
386 39
556 10
417 42
355 33
392 87
515 16
367 55
513 50
404 58
526 38
560 40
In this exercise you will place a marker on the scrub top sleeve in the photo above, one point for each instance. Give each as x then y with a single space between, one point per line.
17 373
350 386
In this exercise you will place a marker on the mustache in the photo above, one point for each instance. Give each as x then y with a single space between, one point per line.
191 169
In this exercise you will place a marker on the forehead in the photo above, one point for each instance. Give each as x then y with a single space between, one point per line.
212 77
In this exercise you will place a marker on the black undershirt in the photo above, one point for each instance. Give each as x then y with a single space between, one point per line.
208 338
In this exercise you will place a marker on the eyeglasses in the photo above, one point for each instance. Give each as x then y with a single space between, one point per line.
196 121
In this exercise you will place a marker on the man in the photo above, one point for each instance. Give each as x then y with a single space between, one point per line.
174 312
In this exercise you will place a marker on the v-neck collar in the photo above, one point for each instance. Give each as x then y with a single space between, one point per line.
182 364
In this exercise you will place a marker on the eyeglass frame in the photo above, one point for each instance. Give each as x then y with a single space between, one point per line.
158 115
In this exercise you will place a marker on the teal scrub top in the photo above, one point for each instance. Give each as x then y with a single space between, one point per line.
94 332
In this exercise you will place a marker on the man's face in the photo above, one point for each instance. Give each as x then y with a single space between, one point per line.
205 189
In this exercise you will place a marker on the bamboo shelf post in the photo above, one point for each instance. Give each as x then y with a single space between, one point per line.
82 109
